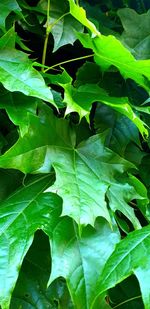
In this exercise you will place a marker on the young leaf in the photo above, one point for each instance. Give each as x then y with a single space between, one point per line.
130 256
20 216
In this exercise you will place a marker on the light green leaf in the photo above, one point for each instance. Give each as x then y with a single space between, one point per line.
6 7
92 169
80 260
131 256
136 35
109 51
80 14
81 100
17 73
21 215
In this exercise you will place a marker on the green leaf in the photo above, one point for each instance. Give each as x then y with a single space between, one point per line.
130 256
32 153
6 7
109 51
136 35
80 260
31 288
88 73
73 97
93 93
79 13
122 130
64 31
17 73
20 216
10 180
124 295
63 25
18 106
90 168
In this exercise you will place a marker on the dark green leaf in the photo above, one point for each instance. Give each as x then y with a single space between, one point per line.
136 33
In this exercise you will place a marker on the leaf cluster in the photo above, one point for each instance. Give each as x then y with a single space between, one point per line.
74 154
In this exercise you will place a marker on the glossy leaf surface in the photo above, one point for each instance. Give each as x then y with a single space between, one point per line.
20 216
17 73
82 272
78 190
130 256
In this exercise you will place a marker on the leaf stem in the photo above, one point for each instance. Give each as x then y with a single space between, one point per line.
126 301
48 30
67 61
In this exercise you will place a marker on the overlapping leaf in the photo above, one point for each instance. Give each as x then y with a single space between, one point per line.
28 210
84 175
17 73
63 25
136 33
80 99
6 7
108 51
81 259
130 256
17 106
20 216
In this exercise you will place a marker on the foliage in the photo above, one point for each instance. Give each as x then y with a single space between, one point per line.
74 154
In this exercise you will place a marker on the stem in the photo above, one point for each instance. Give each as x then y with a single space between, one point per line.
48 30
67 61
126 301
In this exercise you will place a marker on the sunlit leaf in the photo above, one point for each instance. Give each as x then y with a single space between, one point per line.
17 73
